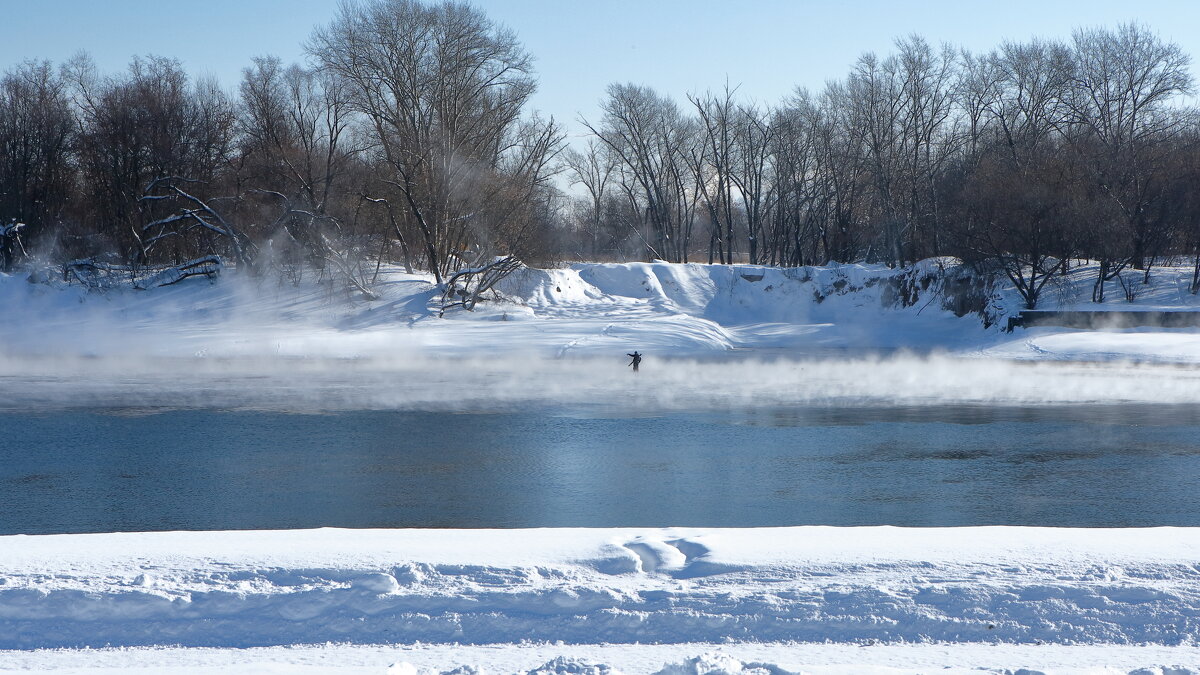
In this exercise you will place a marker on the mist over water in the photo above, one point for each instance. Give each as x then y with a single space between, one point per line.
741 440
584 385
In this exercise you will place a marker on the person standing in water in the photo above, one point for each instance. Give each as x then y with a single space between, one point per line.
637 360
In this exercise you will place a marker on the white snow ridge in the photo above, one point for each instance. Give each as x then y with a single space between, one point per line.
982 588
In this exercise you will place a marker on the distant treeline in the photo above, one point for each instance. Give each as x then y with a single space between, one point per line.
407 138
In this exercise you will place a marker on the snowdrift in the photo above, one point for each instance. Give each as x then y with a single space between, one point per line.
597 310
809 584
732 295
668 308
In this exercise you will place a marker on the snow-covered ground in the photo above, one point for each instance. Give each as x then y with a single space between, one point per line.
601 659
804 599
580 310
714 337
818 600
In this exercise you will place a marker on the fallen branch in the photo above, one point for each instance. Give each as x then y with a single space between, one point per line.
208 266
464 288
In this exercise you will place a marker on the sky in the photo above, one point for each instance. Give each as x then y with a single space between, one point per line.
766 47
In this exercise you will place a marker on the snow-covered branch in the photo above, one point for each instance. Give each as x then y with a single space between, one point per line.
464 288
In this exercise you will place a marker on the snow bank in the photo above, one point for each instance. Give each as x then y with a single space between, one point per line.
730 295
585 309
715 337
808 584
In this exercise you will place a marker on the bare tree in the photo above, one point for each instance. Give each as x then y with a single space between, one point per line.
651 139
295 121
874 94
1013 215
442 88
753 138
592 168
147 124
712 165
194 215
297 151
901 108
842 165
465 287
36 130
1029 92
929 137
1122 88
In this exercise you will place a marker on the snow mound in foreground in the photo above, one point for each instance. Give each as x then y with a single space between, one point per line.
742 658
711 663
584 586
720 664
716 663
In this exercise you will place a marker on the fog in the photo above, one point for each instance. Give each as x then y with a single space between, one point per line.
582 385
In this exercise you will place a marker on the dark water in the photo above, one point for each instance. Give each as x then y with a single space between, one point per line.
133 470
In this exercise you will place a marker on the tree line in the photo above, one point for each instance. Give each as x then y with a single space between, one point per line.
407 138
1018 161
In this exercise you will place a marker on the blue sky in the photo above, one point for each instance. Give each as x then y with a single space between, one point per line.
766 46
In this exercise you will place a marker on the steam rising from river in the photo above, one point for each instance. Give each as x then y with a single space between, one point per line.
589 385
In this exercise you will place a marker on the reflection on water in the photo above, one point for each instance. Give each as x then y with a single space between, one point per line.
146 469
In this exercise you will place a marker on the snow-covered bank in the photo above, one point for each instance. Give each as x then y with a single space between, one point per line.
715 337
809 584
585 309
588 310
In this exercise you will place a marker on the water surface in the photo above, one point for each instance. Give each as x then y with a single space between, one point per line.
137 469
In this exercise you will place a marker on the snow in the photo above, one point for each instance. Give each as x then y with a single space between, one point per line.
805 599
983 590
578 311
692 659
713 337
